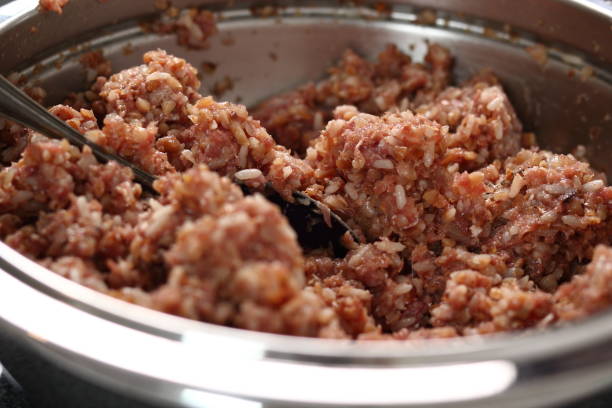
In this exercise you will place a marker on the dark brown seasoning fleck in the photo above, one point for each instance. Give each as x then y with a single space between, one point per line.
209 67
53 5
193 27
383 8
222 86
228 40
128 49
162 4
264 10
427 17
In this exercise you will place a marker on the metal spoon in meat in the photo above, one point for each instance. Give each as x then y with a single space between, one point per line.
317 226
314 222
15 105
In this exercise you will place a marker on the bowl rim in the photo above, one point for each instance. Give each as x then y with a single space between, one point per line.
175 327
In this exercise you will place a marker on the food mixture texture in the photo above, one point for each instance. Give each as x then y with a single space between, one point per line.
467 227
53 5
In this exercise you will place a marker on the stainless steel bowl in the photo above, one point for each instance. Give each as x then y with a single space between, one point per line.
141 353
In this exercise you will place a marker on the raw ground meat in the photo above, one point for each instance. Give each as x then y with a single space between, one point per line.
377 171
14 137
589 292
56 5
543 212
154 115
295 118
192 27
53 5
482 123
465 233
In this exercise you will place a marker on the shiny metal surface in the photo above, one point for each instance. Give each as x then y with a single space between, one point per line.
184 363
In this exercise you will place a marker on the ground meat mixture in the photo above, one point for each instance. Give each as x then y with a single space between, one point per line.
13 137
53 5
153 115
482 123
56 6
193 27
296 118
381 172
465 230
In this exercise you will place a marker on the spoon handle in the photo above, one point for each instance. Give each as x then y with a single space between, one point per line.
15 105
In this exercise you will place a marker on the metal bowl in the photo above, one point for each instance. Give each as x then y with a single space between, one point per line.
133 352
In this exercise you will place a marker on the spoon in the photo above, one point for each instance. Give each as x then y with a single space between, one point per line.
15 105
315 224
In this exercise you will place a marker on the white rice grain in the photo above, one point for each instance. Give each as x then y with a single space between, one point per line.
400 196
287 171
351 191
332 187
402 289
357 256
572 221
389 246
188 155
517 184
428 154
168 107
384 164
593 186
495 104
556 189
239 134
548 216
498 128
248 174
242 156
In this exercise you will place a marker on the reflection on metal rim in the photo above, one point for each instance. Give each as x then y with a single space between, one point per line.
216 364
